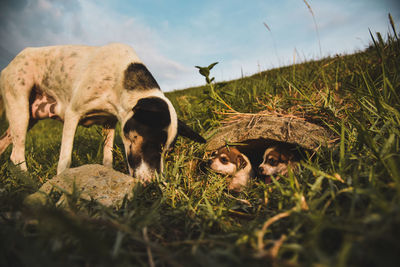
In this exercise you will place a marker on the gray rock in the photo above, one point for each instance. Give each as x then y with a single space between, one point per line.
89 182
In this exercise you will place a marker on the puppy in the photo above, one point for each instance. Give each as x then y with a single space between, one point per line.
229 161
277 159
90 85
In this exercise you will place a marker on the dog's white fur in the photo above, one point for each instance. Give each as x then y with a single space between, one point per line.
230 161
84 81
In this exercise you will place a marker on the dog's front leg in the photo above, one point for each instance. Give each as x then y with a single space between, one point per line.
108 146
70 123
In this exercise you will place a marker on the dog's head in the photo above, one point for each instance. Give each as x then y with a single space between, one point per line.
149 133
230 161
227 160
275 161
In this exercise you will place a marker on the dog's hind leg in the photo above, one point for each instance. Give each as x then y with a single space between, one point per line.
5 141
70 123
108 146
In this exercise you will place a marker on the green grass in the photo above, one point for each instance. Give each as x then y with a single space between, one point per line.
186 216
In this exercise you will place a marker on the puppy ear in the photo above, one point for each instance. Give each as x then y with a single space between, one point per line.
284 157
152 111
241 162
186 131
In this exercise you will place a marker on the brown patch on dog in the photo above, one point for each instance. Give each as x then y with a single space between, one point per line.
138 77
136 141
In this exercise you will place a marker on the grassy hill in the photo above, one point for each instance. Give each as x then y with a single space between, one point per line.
341 209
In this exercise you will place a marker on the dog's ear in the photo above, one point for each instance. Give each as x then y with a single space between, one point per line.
186 131
152 111
283 157
241 162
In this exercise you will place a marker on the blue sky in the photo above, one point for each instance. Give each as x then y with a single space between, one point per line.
171 37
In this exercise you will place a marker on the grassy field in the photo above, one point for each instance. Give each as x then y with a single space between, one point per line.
341 209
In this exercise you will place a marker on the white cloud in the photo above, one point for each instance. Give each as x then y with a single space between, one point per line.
44 5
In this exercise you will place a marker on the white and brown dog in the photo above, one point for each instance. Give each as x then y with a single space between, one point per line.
230 161
90 85
277 159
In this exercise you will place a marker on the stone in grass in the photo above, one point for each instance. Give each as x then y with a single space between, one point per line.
90 182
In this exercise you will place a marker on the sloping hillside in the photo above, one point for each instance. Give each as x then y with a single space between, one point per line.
341 209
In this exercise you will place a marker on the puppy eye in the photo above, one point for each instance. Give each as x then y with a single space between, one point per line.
224 160
214 154
272 162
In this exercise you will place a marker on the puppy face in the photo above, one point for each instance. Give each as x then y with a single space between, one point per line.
227 161
230 161
145 137
275 161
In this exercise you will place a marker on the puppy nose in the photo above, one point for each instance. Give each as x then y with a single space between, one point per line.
260 169
209 162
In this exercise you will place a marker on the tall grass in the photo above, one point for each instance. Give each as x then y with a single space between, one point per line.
341 209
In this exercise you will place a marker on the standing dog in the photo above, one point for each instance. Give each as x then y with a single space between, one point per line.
90 85
229 161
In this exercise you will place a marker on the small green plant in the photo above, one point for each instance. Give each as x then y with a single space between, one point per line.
205 71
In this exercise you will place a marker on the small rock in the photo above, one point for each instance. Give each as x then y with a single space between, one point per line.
92 182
